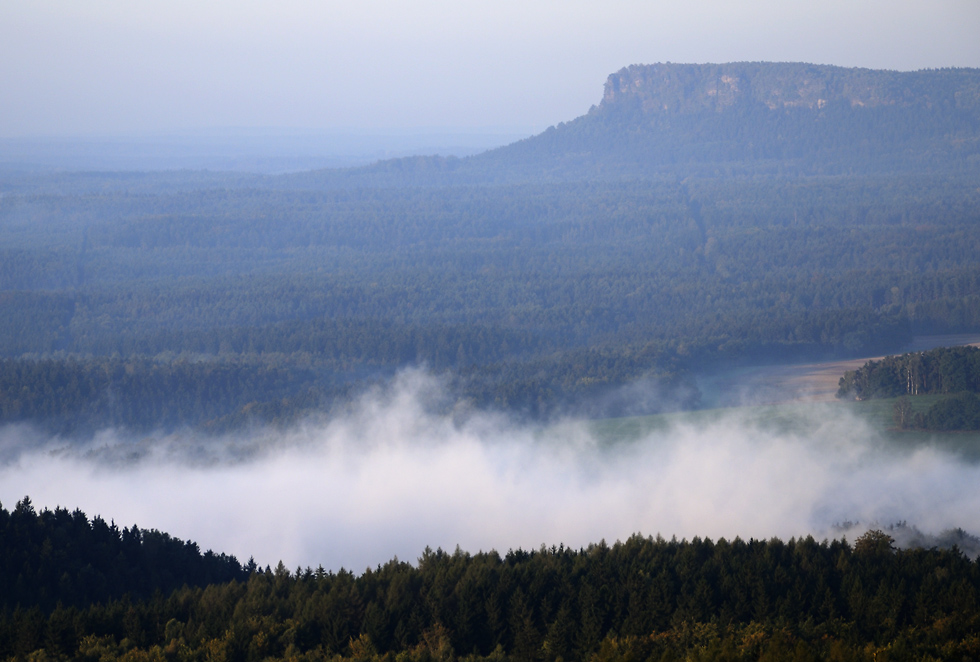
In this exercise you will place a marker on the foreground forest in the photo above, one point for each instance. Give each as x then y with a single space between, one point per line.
130 594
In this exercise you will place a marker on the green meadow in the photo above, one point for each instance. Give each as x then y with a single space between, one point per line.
866 418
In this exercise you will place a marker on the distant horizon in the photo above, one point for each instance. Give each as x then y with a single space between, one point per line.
237 131
271 130
272 150
260 151
515 131
111 67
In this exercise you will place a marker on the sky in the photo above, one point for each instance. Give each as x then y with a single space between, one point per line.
136 67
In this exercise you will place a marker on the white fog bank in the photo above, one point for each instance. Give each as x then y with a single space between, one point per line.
389 478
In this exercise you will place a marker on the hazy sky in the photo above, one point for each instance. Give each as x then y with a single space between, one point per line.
124 66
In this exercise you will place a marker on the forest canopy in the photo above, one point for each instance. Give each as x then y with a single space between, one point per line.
952 372
699 216
101 593
536 297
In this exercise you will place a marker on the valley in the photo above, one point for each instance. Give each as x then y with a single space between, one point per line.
610 349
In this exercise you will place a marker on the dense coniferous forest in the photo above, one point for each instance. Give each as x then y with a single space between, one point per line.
944 370
953 372
81 589
700 216
572 288
58 558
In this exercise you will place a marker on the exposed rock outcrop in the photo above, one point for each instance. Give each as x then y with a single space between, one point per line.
690 87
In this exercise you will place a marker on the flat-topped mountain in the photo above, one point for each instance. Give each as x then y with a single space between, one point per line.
666 88
765 118
744 118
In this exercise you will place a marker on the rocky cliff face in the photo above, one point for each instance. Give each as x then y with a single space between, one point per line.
692 87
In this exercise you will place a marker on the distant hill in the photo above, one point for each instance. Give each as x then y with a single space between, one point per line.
699 216
752 118
670 121
765 118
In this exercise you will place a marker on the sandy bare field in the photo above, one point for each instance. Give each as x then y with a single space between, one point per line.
810 382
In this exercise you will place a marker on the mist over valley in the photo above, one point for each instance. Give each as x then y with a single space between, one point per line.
650 337
390 477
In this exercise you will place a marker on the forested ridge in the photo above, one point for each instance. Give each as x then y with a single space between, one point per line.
56 558
98 593
733 119
699 216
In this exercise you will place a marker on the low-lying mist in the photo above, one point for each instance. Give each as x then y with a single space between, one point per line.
391 475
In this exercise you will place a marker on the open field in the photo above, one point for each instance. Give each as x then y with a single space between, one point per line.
794 398
804 382
800 419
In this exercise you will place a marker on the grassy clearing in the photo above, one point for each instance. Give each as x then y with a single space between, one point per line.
798 418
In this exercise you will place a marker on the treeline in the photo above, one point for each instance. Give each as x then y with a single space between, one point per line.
960 411
227 392
55 559
83 395
953 372
943 370
583 382
342 343
645 598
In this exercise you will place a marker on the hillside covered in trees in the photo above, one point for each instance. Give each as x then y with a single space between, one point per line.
699 216
104 594
54 559
757 119
769 118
